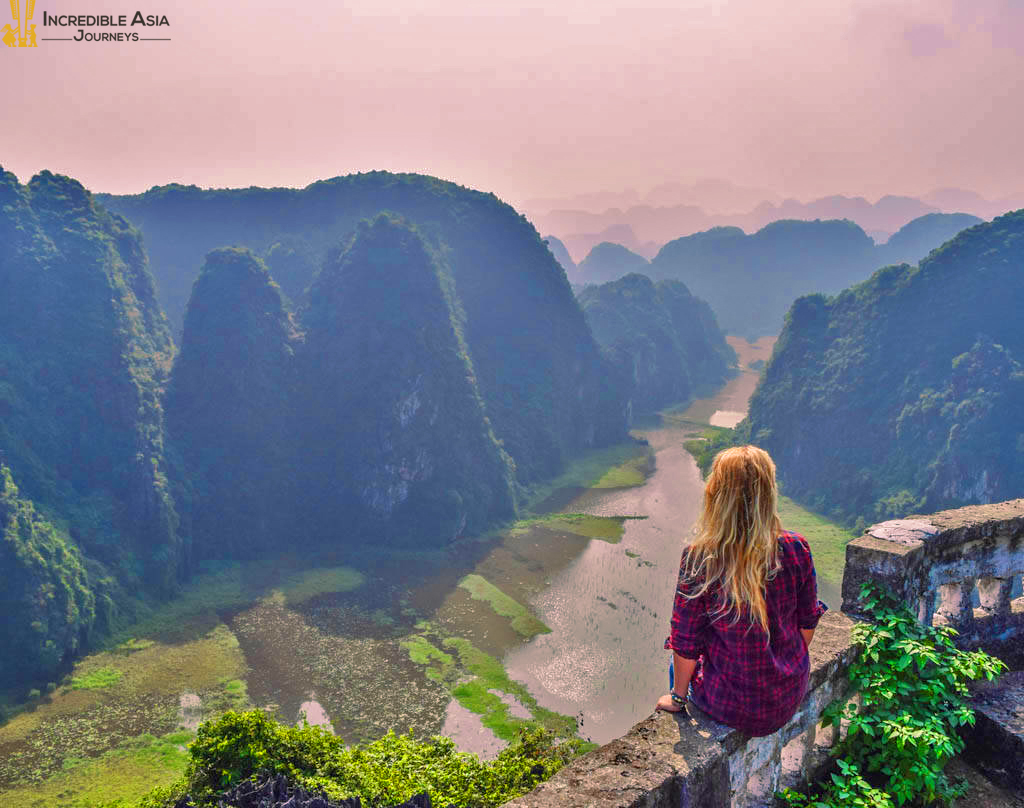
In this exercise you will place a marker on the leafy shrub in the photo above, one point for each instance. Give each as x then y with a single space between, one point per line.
239 746
913 682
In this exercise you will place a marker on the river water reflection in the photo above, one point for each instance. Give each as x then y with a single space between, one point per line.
609 610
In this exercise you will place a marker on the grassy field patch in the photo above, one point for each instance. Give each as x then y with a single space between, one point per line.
605 528
490 675
125 773
97 679
591 467
301 586
631 473
231 585
439 665
523 621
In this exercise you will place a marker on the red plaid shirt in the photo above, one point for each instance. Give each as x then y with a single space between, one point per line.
743 678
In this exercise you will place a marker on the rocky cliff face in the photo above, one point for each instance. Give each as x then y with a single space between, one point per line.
84 350
903 393
436 368
608 262
750 281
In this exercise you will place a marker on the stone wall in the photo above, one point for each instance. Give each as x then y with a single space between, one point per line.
938 563
687 759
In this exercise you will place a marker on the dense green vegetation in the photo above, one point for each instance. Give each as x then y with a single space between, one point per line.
912 681
608 262
387 771
665 343
901 394
369 424
750 281
84 350
47 604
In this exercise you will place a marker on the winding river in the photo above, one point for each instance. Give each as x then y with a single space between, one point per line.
609 610
351 650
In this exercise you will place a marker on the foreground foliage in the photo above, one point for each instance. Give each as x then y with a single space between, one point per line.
912 681
239 746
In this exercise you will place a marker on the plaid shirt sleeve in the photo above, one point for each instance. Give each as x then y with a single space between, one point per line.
809 609
689 622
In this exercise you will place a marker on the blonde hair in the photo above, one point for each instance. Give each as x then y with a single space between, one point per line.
736 547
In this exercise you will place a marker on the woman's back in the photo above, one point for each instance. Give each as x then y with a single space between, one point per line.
750 678
746 603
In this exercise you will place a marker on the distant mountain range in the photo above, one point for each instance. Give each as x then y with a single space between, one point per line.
644 223
751 280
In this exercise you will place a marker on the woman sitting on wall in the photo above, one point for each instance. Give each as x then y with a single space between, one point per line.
746 605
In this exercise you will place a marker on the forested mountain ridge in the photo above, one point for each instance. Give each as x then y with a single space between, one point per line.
904 393
751 280
537 367
430 374
84 352
665 341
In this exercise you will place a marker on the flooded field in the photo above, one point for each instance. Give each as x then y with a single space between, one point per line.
557 620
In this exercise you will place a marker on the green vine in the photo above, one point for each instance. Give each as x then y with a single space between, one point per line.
912 680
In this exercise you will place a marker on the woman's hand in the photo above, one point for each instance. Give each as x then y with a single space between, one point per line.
665 703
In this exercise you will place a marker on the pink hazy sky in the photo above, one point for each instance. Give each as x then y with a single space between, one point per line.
806 97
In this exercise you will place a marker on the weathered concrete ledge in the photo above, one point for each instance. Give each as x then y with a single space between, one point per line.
937 562
688 759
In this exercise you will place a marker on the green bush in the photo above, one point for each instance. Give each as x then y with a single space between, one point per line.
239 746
913 683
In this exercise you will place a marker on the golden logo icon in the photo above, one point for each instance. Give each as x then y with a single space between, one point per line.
23 35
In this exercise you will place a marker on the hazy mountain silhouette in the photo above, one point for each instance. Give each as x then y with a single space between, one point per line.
607 262
673 210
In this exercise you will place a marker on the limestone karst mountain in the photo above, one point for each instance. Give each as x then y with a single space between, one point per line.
665 340
904 393
230 409
608 262
84 352
537 367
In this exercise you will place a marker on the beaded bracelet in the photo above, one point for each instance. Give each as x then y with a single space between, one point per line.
677 699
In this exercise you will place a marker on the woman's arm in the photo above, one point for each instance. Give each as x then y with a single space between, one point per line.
684 669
